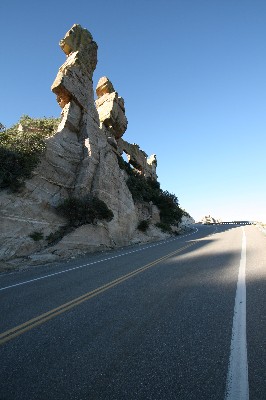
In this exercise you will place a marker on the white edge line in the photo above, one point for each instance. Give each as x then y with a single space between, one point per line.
91 263
237 387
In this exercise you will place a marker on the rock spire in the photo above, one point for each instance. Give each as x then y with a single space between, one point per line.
74 78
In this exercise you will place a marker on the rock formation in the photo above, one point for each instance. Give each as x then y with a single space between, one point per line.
207 219
111 108
80 159
139 159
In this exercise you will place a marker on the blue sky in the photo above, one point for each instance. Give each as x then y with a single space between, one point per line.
193 76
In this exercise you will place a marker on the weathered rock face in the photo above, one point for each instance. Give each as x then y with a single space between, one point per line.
139 159
78 69
80 159
209 220
111 108
103 87
186 222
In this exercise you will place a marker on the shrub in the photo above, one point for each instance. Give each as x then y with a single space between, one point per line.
139 188
148 190
143 225
170 212
124 165
21 147
36 236
164 227
56 236
84 210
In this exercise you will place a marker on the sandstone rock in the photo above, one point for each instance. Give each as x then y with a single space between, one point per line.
186 222
43 258
209 220
139 159
111 108
148 211
19 218
85 239
74 79
153 234
151 167
136 157
104 86
111 140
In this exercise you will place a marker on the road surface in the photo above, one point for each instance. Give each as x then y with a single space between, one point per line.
180 319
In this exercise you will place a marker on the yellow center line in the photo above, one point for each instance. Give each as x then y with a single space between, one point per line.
32 323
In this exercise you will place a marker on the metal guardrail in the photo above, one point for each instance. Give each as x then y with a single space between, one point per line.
230 223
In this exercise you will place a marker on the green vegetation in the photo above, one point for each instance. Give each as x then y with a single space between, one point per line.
84 210
148 190
143 225
36 236
21 147
164 227
124 165
79 211
56 236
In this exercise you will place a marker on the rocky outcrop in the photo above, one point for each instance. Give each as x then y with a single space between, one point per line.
186 222
111 108
80 159
209 220
75 75
139 159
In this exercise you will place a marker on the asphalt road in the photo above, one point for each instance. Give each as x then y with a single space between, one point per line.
145 322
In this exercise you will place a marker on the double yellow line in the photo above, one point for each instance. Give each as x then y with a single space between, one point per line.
41 319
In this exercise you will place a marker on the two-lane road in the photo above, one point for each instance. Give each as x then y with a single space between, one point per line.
157 321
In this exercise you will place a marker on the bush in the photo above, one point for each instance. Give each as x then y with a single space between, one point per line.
170 212
36 236
143 225
21 147
140 188
84 210
164 227
79 211
124 165
148 190
56 236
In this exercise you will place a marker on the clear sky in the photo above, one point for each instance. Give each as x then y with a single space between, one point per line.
193 76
